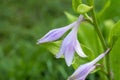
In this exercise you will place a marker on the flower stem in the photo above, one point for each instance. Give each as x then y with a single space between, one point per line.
91 3
103 43
98 30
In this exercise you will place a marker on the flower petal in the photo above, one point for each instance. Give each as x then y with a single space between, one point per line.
55 34
67 47
67 42
100 57
79 49
69 54
86 73
82 72
60 52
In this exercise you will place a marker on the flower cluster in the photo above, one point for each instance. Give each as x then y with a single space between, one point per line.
69 46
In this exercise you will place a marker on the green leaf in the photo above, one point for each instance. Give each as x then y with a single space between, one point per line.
115 33
70 17
106 29
82 8
75 4
53 47
107 4
108 9
114 59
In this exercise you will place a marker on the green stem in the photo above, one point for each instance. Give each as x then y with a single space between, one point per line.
91 3
98 30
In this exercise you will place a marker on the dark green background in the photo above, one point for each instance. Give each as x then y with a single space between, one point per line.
22 23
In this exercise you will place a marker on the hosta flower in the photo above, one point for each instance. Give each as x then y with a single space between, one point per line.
82 72
55 34
69 45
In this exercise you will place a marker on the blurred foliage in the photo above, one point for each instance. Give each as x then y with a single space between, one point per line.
114 60
21 24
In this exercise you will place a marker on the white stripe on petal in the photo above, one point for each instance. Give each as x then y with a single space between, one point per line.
79 49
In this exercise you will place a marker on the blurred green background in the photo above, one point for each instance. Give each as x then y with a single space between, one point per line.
22 23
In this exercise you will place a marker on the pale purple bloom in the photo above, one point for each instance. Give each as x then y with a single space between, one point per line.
55 34
82 72
70 44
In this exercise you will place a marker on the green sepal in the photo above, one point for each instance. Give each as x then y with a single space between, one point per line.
83 8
